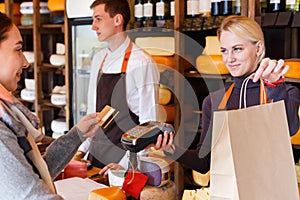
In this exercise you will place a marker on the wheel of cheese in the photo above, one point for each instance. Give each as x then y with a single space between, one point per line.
166 113
166 192
29 84
28 95
295 139
56 5
57 60
27 19
164 96
58 99
29 55
59 125
109 193
211 64
16 8
27 8
294 71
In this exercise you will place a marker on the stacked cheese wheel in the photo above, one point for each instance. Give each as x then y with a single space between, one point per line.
210 61
16 12
26 9
57 8
294 71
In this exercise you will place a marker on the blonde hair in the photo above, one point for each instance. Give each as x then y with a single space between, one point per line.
245 28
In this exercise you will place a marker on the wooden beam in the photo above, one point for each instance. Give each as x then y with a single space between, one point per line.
9 10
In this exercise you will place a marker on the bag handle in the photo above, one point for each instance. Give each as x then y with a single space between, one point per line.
262 92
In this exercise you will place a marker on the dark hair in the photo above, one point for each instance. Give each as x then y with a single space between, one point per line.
5 26
114 7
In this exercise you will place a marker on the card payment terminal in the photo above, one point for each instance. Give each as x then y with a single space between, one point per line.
139 137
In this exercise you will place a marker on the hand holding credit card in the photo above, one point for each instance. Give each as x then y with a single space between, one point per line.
106 115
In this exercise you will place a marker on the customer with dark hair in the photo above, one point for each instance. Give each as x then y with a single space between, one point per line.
25 174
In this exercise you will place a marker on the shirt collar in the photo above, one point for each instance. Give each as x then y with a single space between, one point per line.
120 50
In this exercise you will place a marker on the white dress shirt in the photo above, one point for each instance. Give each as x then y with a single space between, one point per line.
142 80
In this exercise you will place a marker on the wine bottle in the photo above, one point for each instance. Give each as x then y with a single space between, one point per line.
192 8
149 16
275 5
292 5
204 8
162 9
148 10
172 9
237 7
138 10
263 6
215 7
226 7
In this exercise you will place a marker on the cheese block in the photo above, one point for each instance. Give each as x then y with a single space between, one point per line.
75 168
164 96
198 194
157 46
211 64
164 61
294 71
56 5
201 179
109 193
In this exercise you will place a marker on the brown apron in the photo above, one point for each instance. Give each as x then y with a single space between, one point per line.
111 90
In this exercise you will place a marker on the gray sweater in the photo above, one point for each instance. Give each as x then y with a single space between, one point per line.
18 178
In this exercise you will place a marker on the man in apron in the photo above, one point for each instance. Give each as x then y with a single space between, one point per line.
122 76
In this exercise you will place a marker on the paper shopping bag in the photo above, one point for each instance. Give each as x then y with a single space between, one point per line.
251 157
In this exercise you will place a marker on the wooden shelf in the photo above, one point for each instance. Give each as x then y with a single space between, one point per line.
41 38
46 67
195 74
292 80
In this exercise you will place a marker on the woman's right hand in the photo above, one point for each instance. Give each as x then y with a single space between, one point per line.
165 143
89 125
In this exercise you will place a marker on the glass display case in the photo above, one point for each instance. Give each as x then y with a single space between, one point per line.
83 43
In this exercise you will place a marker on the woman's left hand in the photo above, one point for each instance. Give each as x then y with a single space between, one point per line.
270 70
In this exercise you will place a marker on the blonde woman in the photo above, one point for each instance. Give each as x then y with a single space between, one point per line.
243 50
